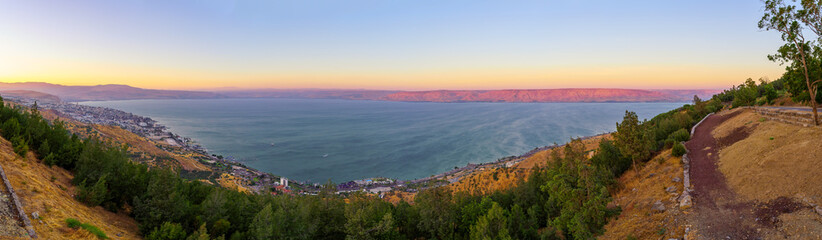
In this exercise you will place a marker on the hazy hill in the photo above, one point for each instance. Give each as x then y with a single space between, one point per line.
352 94
124 92
42 97
104 92
550 95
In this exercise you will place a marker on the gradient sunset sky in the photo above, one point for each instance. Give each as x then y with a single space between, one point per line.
408 45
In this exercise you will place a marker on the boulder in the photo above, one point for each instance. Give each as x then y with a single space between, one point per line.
685 201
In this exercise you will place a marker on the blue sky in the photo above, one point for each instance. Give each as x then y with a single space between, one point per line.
386 44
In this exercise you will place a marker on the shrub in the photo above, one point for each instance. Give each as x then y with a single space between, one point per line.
762 101
74 223
680 135
678 150
669 142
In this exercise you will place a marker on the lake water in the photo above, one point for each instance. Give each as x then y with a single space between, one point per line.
318 139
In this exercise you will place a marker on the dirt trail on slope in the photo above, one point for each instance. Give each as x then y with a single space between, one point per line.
719 211
717 214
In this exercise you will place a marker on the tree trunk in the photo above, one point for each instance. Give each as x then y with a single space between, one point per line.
808 82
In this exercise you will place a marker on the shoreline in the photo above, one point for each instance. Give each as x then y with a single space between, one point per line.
154 131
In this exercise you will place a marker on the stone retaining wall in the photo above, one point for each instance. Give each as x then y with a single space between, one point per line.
788 116
18 206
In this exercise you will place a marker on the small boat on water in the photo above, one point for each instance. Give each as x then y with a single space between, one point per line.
325 155
272 144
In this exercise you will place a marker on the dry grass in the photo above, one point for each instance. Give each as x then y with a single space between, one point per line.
777 159
396 197
541 158
231 182
636 194
138 145
145 145
489 180
53 200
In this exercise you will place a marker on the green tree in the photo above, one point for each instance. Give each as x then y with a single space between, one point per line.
44 149
94 195
262 227
369 218
520 225
493 225
785 19
437 213
11 128
168 231
630 139
200 234
221 227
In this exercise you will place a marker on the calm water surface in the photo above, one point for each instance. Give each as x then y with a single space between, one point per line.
372 138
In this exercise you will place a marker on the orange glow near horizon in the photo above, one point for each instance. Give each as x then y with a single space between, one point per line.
635 77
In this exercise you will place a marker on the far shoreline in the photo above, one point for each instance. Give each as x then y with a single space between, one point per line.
429 176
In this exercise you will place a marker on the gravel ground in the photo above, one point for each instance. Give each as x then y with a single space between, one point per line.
10 225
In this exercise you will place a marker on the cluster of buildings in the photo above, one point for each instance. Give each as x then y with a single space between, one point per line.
256 180
149 128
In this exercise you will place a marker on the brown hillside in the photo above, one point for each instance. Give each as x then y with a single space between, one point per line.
752 178
48 191
145 149
540 158
488 180
776 159
636 194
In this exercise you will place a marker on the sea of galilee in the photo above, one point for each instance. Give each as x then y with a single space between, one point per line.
364 139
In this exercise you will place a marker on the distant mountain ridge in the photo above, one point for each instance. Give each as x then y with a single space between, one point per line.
125 92
104 92
550 95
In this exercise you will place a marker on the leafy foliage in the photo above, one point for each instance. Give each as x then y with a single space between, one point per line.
678 150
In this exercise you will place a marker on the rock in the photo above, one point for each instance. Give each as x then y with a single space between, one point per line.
671 189
818 210
685 201
633 190
676 179
658 206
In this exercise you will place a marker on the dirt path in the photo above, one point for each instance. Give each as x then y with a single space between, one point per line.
717 214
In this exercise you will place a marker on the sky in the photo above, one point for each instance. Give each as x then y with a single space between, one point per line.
383 44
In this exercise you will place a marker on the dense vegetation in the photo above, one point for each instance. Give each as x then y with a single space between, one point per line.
750 93
565 199
801 55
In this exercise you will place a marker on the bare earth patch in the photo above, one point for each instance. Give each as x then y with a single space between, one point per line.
777 159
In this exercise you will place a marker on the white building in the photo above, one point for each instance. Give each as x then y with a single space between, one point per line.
284 182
